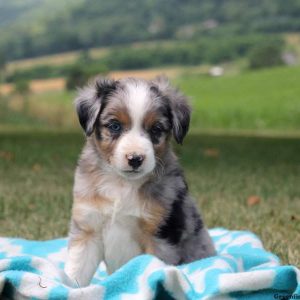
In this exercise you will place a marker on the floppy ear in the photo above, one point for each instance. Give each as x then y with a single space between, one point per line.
180 109
91 100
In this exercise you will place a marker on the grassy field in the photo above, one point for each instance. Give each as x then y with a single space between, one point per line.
267 99
36 171
261 100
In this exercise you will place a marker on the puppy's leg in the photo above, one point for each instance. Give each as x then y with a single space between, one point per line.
197 246
85 249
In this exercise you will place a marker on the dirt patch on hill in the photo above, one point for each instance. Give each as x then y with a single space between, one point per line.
37 86
58 84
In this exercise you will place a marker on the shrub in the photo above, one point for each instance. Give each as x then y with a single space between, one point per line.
265 55
40 72
77 77
22 87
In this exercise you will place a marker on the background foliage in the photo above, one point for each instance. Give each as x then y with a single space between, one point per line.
31 28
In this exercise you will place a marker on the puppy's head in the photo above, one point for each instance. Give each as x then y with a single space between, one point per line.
131 120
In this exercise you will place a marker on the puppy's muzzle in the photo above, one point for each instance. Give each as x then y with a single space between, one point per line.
135 160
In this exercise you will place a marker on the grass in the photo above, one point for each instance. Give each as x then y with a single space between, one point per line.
267 99
36 171
257 100
52 109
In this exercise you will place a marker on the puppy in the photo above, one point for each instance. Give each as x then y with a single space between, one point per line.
130 195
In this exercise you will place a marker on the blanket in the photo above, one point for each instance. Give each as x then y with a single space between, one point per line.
242 269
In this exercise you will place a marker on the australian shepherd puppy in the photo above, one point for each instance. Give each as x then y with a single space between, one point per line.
130 195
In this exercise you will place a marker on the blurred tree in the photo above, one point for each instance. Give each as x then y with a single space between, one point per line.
96 68
85 68
2 61
22 88
77 77
2 67
78 24
84 57
266 55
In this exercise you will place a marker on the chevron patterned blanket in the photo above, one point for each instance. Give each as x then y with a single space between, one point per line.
243 269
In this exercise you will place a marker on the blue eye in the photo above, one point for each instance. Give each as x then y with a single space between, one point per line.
114 126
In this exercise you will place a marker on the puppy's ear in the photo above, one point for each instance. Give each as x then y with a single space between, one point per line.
91 100
180 109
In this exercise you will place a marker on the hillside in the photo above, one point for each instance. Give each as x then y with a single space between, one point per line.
31 28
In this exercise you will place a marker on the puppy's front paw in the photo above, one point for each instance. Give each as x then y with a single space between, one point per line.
73 277
67 280
70 276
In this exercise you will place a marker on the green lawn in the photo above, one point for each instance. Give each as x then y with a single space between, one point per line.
260 100
36 171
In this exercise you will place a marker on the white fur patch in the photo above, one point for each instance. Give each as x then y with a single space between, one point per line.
121 228
120 242
138 101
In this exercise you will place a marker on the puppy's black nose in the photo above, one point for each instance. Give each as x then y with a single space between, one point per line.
135 160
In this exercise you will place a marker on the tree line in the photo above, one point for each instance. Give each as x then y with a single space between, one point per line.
38 30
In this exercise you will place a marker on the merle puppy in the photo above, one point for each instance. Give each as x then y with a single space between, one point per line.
130 195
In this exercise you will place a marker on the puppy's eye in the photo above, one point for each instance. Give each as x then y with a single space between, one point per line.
114 126
156 129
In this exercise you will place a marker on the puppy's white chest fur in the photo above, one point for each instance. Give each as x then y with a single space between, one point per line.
120 242
120 230
124 198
